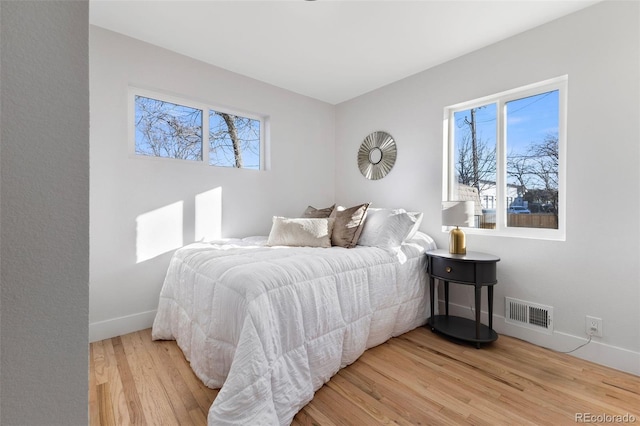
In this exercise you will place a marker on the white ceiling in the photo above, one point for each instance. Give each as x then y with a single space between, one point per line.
326 49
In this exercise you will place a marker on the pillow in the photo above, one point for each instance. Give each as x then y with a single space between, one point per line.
389 228
417 220
348 225
313 212
385 228
307 232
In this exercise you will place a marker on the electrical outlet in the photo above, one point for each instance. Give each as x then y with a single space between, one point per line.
593 326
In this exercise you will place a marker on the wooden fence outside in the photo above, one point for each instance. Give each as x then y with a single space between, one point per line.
533 220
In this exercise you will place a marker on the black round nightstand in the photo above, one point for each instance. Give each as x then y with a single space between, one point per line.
474 268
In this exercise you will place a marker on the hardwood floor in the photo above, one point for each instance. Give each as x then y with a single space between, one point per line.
419 378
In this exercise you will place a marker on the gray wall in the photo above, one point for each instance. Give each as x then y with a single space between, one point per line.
595 271
44 213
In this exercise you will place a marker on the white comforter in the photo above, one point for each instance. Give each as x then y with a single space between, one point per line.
270 325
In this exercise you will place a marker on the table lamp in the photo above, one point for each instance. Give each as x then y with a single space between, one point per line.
457 213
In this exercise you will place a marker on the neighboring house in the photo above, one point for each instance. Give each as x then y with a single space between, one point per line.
487 196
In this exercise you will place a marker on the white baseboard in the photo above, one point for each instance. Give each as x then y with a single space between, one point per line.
118 326
600 353
597 352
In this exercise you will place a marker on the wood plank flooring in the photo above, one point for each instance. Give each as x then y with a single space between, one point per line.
419 378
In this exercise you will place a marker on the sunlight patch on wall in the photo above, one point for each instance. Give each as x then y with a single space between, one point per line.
209 215
159 231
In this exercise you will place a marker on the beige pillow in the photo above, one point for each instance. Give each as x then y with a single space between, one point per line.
302 232
348 225
313 212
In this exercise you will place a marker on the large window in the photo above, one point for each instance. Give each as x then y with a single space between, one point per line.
507 153
172 128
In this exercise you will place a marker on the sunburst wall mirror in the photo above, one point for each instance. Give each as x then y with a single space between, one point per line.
377 155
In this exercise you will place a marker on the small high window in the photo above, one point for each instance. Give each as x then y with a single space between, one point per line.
168 130
507 153
234 141
166 127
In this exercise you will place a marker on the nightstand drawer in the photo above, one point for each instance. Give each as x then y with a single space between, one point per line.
452 270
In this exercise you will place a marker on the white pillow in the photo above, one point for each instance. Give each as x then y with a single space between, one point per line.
304 232
388 228
417 220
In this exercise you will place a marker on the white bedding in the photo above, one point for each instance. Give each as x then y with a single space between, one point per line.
270 325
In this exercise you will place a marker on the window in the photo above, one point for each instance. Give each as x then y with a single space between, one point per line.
167 127
234 141
168 130
507 153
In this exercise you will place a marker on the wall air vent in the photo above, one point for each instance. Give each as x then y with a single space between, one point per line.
528 314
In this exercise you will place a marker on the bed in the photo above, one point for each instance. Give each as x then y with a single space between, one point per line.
270 324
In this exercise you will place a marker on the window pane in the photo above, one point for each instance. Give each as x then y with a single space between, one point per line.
475 159
234 141
532 161
168 130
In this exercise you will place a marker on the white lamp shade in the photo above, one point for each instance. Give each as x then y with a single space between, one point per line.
458 213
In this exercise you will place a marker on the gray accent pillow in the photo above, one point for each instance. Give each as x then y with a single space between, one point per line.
348 225
319 213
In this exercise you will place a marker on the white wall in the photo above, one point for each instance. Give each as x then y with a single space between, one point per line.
596 270
44 213
129 195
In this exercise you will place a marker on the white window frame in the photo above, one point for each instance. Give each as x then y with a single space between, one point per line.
500 99
205 108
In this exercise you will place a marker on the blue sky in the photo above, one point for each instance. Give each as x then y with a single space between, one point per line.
529 120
